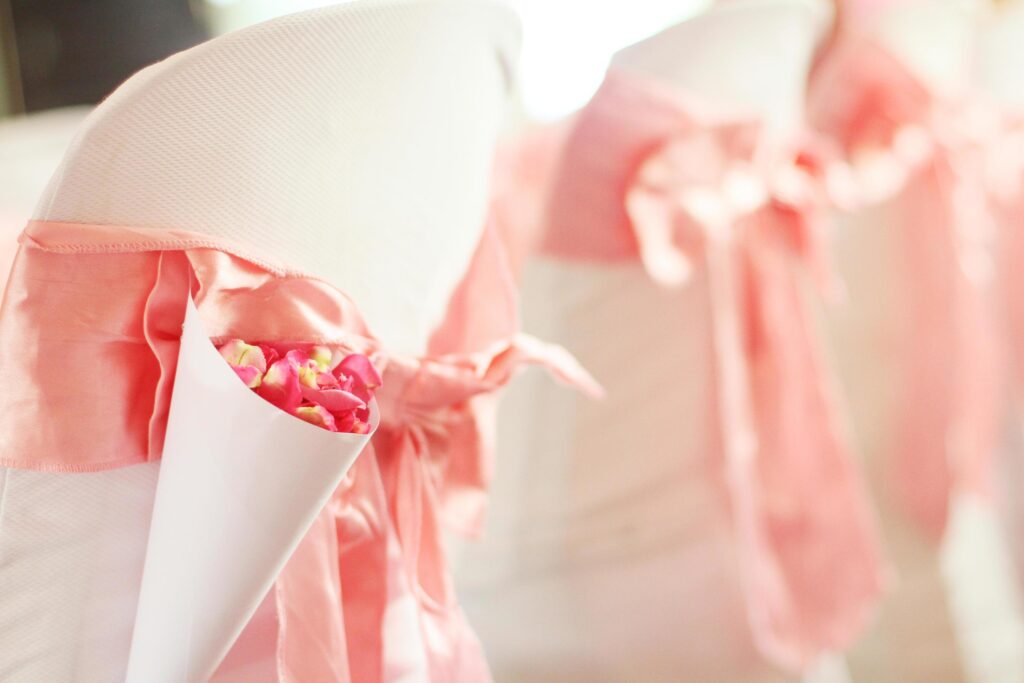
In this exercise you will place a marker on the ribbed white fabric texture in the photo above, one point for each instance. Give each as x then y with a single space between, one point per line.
71 552
352 142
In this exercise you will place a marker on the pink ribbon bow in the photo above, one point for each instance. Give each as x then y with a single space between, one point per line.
430 470
712 200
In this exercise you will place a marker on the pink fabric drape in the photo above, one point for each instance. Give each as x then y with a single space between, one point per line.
935 154
89 331
643 173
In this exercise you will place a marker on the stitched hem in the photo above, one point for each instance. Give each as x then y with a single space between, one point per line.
46 466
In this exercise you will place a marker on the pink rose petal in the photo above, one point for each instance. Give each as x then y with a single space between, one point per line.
321 355
270 353
281 385
249 374
358 366
318 384
333 400
241 355
351 424
307 375
317 415
297 356
326 380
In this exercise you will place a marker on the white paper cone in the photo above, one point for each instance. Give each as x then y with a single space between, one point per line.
240 483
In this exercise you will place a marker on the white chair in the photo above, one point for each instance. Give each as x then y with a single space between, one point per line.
355 143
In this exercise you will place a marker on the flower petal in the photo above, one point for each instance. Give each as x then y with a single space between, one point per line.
281 385
333 400
249 374
349 423
241 355
308 375
359 366
317 415
326 380
321 355
297 356
270 353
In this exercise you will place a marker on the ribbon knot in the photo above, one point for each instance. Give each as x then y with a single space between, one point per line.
680 206
435 452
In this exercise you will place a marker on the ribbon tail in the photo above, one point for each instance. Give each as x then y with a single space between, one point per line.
364 533
311 624
794 486
331 596
737 440
451 650
563 366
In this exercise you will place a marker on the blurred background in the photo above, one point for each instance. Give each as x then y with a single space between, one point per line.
60 53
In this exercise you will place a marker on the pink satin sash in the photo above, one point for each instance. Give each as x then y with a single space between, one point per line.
931 156
88 338
643 173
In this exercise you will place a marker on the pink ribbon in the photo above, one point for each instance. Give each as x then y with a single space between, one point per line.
443 457
712 200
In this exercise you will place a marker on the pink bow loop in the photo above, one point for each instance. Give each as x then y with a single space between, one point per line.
698 188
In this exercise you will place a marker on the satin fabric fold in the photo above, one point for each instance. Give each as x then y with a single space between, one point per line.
646 173
931 156
89 331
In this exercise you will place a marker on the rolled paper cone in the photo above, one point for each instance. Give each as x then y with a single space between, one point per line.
240 483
